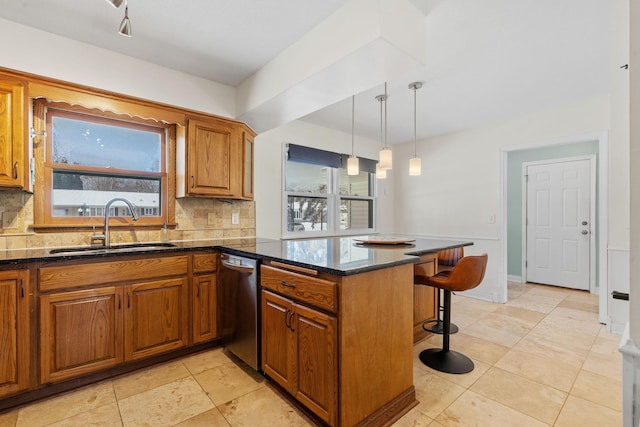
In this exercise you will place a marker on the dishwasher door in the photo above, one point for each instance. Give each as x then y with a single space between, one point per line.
239 329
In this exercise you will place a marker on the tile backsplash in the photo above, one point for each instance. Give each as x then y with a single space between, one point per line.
196 219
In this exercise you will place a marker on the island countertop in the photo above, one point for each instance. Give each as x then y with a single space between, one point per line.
336 255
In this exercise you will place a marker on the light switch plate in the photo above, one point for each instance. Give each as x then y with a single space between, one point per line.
235 218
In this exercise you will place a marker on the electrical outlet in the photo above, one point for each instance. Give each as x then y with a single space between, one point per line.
235 218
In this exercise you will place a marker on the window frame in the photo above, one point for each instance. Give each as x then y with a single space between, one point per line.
44 167
334 199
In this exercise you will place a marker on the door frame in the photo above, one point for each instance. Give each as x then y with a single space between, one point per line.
602 207
592 212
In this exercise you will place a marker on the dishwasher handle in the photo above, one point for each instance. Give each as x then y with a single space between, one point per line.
241 268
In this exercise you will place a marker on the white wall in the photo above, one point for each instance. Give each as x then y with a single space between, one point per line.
268 171
458 194
37 52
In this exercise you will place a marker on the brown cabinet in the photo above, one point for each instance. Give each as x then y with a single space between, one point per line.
14 331
215 159
155 317
14 170
87 326
205 289
80 332
425 297
342 346
247 163
300 352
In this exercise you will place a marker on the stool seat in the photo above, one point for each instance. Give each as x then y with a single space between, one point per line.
467 274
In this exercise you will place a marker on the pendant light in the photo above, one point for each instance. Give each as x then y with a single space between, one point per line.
415 164
381 173
385 155
353 163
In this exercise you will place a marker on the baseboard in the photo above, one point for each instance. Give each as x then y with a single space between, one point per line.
514 278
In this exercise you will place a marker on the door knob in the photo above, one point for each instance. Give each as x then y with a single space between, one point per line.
584 222
585 232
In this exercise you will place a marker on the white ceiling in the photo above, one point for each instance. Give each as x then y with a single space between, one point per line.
486 60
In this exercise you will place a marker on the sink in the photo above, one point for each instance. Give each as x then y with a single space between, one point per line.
129 247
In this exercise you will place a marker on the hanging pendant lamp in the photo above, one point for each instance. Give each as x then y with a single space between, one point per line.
415 163
385 156
381 173
125 25
353 163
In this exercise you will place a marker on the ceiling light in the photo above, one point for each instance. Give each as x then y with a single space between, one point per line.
415 164
353 163
115 3
385 156
125 25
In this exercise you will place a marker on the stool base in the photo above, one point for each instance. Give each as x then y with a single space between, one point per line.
438 327
448 361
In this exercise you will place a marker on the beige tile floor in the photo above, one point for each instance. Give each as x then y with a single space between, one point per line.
541 359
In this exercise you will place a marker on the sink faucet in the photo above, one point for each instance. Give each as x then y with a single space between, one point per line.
105 237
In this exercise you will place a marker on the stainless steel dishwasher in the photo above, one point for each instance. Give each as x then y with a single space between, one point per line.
239 308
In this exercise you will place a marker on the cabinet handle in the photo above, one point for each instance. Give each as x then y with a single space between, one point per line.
288 285
197 291
291 321
286 319
15 170
193 182
22 288
119 302
128 300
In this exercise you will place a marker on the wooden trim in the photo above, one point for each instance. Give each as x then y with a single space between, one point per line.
392 411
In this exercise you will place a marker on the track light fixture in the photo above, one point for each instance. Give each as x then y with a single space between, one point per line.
125 25
115 3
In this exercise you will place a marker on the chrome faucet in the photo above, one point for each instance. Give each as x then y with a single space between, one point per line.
105 237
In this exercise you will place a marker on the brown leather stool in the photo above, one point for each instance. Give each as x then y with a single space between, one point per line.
447 259
467 274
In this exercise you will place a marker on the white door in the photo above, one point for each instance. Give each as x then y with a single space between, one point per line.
558 223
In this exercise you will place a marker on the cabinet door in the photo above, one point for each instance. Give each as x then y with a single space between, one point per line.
317 355
155 317
278 341
13 162
14 332
425 302
204 308
80 332
247 166
214 159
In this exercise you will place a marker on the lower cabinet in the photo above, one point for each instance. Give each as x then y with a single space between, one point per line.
89 330
205 325
300 352
14 331
86 327
80 332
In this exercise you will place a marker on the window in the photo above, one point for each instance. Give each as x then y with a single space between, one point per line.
320 198
90 157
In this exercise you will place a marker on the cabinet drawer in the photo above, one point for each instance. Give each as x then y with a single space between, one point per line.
94 273
205 263
317 292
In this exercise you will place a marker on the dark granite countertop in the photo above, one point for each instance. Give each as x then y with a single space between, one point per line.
336 255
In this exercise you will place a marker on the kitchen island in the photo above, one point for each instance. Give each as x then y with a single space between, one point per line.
337 316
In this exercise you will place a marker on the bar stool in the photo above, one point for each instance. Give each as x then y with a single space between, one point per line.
467 274
447 259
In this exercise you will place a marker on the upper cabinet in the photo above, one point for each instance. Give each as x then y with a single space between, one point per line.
217 155
14 171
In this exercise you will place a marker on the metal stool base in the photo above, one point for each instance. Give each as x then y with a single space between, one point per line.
448 361
438 327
